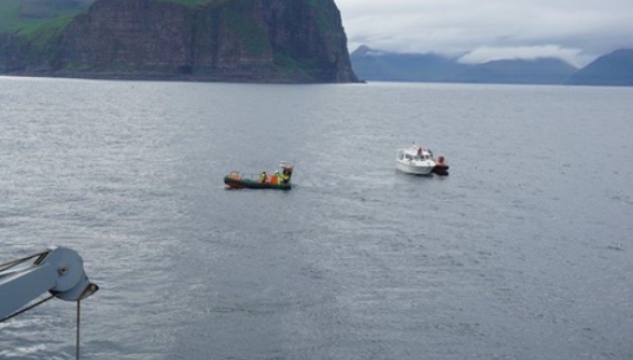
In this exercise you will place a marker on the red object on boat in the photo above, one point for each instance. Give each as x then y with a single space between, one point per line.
441 168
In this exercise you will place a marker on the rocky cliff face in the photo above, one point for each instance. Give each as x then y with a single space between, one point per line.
236 40
309 33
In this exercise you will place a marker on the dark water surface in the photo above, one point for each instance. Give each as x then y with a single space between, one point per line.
524 252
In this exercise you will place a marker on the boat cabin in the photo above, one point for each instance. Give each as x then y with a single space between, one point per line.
415 154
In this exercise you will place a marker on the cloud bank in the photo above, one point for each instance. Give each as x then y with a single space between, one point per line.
576 31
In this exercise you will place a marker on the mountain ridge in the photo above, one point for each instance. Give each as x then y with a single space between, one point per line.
615 68
371 64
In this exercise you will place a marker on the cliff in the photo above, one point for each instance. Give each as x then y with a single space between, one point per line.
216 40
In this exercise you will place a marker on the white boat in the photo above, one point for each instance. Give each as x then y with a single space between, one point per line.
415 160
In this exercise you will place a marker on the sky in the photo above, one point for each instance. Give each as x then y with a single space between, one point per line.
476 31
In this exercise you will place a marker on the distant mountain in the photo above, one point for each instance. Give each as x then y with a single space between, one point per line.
371 64
538 71
614 69
379 65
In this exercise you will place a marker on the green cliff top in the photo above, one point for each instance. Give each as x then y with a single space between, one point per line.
19 14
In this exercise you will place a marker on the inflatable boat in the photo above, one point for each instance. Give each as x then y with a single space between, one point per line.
278 181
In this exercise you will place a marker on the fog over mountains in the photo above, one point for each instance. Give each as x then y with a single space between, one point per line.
374 65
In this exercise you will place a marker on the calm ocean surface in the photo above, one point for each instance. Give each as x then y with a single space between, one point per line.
524 252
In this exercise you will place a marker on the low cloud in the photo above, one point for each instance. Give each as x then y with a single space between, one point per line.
485 54
576 31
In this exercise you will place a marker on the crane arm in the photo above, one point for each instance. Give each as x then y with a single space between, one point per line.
58 270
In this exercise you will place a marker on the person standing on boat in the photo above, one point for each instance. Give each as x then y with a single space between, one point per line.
286 176
262 177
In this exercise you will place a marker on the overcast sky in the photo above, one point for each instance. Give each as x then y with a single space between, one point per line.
574 30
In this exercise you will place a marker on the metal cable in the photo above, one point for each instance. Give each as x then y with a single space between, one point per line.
13 263
78 341
26 309
78 325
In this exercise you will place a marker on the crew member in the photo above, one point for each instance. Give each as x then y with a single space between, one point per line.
262 177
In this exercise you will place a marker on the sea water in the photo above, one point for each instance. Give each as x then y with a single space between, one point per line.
523 252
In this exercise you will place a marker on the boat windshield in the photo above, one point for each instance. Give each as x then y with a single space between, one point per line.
421 157
417 155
